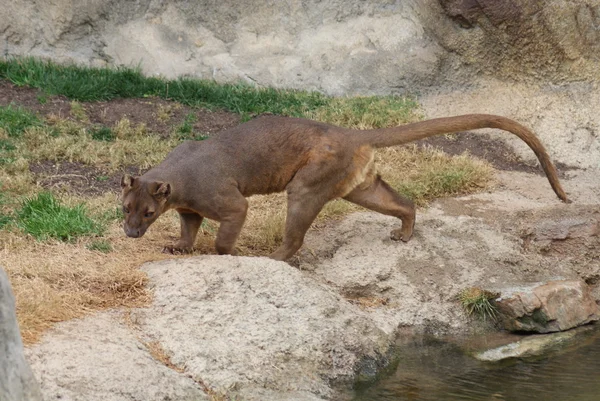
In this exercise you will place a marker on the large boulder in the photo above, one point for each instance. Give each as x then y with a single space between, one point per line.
533 40
261 328
16 380
547 307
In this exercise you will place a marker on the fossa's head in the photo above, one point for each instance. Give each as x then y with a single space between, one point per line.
143 201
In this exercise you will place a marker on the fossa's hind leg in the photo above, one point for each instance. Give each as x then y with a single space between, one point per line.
328 176
308 192
300 215
232 215
380 197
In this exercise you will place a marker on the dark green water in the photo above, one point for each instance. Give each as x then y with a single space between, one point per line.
430 370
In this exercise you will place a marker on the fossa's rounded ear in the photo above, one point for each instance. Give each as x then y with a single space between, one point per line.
160 190
127 181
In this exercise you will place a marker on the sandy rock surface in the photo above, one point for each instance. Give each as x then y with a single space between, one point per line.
101 358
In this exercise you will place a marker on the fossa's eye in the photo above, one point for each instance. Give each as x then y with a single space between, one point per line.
148 214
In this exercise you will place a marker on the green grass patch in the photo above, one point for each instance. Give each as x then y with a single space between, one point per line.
93 84
44 217
185 131
15 120
4 220
477 302
364 112
75 82
102 133
187 127
42 98
6 151
6 145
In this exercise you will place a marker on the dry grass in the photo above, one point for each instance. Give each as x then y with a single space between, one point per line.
55 281
478 302
364 112
429 173
69 141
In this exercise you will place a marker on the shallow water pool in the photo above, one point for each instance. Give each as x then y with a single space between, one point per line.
430 369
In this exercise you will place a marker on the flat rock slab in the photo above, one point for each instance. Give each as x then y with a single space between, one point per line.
99 358
536 345
16 379
547 307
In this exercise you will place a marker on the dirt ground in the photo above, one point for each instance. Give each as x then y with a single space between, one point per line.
160 116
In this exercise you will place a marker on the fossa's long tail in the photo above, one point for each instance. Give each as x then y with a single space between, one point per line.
384 137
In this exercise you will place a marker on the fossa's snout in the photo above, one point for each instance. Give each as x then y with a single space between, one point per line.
133 232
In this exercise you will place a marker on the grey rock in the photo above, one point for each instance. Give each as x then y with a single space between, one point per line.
16 379
335 46
534 345
533 40
547 307
548 230
100 358
240 324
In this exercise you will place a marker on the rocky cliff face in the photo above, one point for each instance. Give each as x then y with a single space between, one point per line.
534 40
339 47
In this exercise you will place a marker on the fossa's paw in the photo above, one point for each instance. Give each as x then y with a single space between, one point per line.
177 250
399 235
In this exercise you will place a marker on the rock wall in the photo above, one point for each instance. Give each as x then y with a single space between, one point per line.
339 47
534 40
16 380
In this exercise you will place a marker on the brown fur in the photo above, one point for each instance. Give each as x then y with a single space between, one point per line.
314 162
